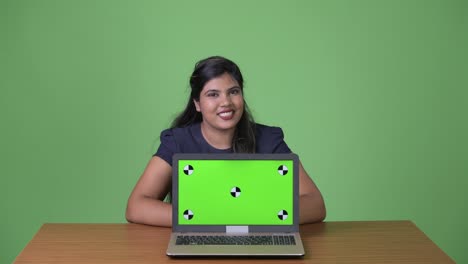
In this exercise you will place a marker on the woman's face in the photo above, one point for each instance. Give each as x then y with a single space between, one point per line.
221 103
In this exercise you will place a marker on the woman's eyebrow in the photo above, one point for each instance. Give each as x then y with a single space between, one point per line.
212 90
234 87
217 91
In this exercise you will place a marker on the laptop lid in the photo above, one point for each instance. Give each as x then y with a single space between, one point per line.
235 193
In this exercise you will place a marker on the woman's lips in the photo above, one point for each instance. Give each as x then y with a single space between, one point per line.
227 115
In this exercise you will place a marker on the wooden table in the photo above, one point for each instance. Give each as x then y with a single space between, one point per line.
328 242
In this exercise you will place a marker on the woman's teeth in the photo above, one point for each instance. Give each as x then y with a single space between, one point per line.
226 114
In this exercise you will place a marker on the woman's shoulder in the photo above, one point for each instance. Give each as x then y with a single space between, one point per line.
183 139
179 140
179 132
270 139
262 129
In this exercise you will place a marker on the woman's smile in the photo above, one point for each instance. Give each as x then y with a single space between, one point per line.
221 104
226 115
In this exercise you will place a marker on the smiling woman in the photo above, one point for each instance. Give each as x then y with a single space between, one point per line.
215 120
222 105
210 77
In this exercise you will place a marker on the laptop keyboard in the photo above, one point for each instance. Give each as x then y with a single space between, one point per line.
236 240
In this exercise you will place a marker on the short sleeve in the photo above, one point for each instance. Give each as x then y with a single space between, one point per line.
271 140
279 145
168 146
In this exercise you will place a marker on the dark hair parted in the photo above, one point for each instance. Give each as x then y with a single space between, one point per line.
206 70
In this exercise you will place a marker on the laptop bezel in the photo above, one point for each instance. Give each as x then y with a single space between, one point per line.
234 156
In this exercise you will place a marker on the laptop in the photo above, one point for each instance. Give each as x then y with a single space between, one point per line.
235 205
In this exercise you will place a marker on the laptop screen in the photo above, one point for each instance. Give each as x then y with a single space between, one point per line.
235 192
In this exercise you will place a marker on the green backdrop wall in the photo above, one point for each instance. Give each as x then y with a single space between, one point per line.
371 94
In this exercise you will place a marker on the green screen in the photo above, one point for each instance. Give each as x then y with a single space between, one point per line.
372 96
262 194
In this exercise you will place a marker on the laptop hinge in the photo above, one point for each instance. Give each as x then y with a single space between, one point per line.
237 229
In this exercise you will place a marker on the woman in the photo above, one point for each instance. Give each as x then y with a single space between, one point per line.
215 120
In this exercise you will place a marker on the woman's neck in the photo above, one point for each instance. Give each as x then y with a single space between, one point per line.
220 139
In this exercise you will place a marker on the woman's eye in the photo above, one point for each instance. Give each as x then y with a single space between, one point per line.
212 94
235 91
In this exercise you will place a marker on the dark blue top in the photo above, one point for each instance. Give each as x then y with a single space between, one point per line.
190 140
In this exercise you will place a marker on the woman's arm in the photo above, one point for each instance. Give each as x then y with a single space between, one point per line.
311 204
145 204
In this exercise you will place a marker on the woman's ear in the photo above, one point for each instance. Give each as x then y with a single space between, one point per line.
197 105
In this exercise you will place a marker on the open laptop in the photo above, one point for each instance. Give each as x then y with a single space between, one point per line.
235 205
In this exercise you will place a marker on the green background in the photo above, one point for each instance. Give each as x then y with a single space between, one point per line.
372 95
264 192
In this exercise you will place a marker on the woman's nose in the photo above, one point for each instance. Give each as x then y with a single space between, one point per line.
226 100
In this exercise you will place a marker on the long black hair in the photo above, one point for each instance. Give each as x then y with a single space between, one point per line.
206 70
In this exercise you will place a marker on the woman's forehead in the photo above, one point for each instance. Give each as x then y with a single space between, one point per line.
221 83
